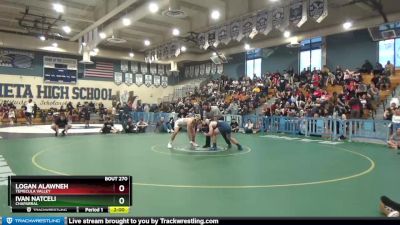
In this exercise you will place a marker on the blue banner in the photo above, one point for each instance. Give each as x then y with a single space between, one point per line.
8 220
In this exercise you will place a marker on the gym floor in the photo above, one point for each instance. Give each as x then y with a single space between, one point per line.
273 176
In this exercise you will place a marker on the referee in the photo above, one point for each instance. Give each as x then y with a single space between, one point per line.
61 123
212 113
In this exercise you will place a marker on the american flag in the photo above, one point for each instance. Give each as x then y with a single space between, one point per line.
101 69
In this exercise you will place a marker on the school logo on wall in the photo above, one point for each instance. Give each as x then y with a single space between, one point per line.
128 79
139 79
148 80
16 59
318 10
298 12
118 78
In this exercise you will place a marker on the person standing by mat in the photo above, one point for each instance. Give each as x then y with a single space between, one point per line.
191 125
223 128
213 114
29 111
86 114
61 123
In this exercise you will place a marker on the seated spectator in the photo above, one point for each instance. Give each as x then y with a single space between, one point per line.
394 140
11 115
163 126
108 127
142 125
234 126
130 126
248 127
389 69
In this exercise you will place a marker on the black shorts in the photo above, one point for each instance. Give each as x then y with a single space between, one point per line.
28 114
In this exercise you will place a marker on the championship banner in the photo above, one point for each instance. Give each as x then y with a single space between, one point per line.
263 22
144 68
247 25
220 69
212 37
236 33
60 70
139 79
318 10
165 51
213 69
191 71
124 66
159 53
202 69
223 35
196 70
187 71
201 39
157 80
168 69
161 70
134 67
280 18
153 69
148 80
164 81
298 12
128 79
208 69
118 78
16 59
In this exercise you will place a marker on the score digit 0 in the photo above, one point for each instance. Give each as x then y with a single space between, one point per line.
121 200
121 188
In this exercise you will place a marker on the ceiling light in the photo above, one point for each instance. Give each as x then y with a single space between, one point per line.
42 37
126 21
347 25
102 35
183 48
286 34
246 46
215 14
175 32
146 42
153 7
66 29
131 54
84 44
214 54
96 50
55 45
273 0
58 7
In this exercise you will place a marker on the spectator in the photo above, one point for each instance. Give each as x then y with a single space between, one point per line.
389 69
234 126
248 128
142 125
130 126
366 67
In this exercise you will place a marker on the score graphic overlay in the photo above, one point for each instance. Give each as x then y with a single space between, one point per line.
86 194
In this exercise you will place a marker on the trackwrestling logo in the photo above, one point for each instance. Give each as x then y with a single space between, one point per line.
9 220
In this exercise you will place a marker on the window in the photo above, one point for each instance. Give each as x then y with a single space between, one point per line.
397 52
253 62
386 51
253 66
311 53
